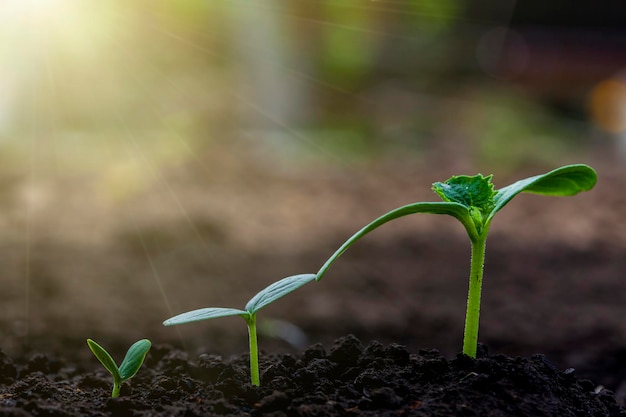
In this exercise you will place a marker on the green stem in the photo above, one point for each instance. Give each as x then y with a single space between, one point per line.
254 350
470 337
116 389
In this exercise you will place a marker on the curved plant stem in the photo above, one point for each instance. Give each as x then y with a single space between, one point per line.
254 350
470 337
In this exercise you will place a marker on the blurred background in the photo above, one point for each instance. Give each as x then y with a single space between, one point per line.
162 156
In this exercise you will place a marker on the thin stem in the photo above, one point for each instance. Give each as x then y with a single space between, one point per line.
254 350
116 389
470 337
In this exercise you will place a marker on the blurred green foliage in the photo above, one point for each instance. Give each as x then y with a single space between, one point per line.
355 77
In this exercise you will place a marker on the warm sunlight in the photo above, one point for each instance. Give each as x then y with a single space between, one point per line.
33 12
39 41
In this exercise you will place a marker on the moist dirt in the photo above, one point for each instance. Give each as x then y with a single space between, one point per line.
349 379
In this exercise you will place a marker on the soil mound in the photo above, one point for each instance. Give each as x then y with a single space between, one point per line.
349 379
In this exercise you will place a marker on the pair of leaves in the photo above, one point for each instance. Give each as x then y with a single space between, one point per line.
264 297
474 201
130 365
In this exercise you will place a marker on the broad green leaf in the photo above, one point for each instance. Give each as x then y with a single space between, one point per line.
476 191
134 358
204 314
457 210
276 290
105 359
564 181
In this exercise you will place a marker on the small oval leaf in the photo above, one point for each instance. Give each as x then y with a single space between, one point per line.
277 290
134 358
204 314
105 359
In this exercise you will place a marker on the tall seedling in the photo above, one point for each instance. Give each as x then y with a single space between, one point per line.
474 202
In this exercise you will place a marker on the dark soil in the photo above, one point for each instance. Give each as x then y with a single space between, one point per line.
347 380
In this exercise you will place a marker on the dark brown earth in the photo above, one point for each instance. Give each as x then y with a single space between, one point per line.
348 380
83 266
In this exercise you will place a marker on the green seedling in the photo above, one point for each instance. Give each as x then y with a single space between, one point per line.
266 296
474 202
130 365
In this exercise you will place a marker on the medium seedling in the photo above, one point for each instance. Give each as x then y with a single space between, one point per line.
474 202
130 365
260 300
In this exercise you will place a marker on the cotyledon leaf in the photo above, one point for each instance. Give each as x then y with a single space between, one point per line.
277 290
105 359
564 181
454 209
134 358
204 314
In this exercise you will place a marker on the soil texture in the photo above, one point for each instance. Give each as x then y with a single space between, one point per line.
349 379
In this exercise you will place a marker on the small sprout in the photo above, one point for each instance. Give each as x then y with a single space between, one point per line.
130 365
266 296
474 202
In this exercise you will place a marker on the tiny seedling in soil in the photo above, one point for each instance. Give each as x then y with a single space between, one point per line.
130 365
474 201
260 300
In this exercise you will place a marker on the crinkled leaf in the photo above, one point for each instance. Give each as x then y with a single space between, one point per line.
105 359
454 209
204 314
564 181
476 191
277 290
134 358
